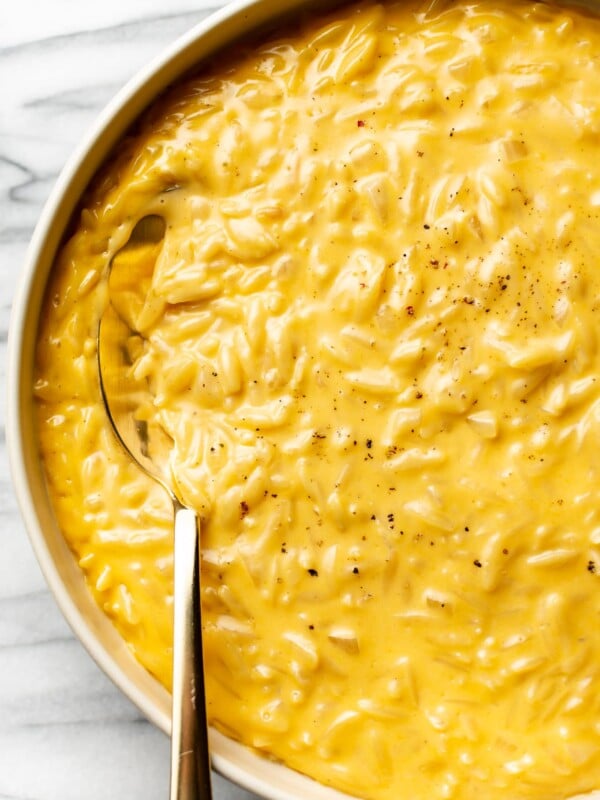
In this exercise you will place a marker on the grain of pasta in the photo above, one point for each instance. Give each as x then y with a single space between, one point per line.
371 332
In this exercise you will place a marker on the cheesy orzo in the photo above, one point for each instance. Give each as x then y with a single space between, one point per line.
372 332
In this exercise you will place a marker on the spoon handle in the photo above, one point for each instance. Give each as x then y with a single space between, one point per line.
190 760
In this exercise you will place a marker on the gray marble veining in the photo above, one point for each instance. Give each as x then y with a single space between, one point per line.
66 733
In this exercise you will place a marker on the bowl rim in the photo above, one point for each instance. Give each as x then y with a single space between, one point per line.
240 764
243 766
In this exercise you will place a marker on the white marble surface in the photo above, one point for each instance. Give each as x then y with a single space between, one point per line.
66 733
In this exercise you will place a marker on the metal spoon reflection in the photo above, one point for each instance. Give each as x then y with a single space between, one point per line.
128 400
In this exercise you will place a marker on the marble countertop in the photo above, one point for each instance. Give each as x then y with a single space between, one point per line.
66 733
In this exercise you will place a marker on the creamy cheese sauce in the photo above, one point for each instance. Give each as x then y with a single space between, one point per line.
371 331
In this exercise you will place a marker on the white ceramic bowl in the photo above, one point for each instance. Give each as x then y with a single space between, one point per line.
236 762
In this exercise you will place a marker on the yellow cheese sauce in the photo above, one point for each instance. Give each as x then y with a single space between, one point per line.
372 333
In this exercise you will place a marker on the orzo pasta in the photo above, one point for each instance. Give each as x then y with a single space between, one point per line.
372 333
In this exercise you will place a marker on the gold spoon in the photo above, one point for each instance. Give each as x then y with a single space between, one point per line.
126 398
